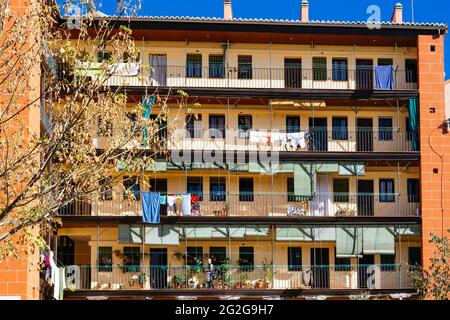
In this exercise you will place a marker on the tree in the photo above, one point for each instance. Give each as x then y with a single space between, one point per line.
67 72
434 281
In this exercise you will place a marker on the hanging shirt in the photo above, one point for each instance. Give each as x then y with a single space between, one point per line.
186 203
384 77
150 207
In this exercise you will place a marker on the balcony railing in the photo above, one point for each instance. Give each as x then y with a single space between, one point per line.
225 277
260 78
282 141
315 140
260 205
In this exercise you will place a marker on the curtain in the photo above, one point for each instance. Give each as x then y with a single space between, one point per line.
414 124
158 73
322 205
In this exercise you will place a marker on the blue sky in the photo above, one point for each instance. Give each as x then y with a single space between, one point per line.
424 10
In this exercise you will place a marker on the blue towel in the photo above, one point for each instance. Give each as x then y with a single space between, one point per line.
186 203
150 207
384 77
163 200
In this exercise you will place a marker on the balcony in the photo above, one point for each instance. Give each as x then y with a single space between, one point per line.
260 205
226 277
259 78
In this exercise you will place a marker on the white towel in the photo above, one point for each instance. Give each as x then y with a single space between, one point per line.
297 139
171 200
279 137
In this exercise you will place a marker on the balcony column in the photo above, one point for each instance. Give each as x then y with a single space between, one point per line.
400 257
270 63
96 254
273 256
227 133
271 166
398 188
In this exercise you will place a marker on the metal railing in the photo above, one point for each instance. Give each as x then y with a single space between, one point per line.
225 277
274 78
259 205
314 140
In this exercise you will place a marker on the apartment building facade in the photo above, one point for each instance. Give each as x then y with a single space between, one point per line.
308 170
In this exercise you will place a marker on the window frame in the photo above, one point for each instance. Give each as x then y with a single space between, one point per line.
292 266
245 68
385 133
387 267
191 258
386 197
192 132
136 187
213 130
341 266
341 196
291 128
413 197
135 265
219 196
244 129
339 72
105 266
246 196
196 182
339 133
319 69
194 66
411 71
216 70
249 256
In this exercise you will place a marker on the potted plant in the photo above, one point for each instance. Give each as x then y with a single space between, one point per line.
243 280
268 273
178 280
226 209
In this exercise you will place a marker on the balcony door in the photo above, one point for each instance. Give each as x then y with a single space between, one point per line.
318 129
158 70
366 272
365 198
160 185
364 135
158 268
293 73
364 74
320 260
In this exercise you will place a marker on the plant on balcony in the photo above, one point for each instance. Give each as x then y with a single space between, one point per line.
178 280
268 273
345 212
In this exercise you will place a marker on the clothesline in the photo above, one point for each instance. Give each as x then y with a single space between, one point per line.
295 139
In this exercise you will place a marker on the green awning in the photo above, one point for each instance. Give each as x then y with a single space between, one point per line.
378 240
324 234
238 167
328 168
304 179
205 232
352 169
409 231
348 242
162 235
157 166
130 233
293 233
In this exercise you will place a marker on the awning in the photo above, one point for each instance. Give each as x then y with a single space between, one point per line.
205 232
348 242
304 179
324 234
293 233
156 166
130 233
378 240
352 169
162 235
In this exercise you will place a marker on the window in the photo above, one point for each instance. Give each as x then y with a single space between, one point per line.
131 259
409 132
194 256
385 129
342 264
217 189
245 67
413 191
245 124
218 255
132 118
294 259
194 66
194 126
341 190
161 124
319 69
385 62
106 189
246 189
132 187
340 128
414 257
291 197
216 66
387 190
340 72
195 186
246 258
103 56
105 259
292 124
104 128
217 126
411 70
387 262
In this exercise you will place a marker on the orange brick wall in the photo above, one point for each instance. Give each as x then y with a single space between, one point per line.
20 276
435 205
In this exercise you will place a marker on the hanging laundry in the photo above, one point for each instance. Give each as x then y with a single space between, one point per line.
186 204
171 205
297 139
279 137
163 200
384 77
194 199
151 207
